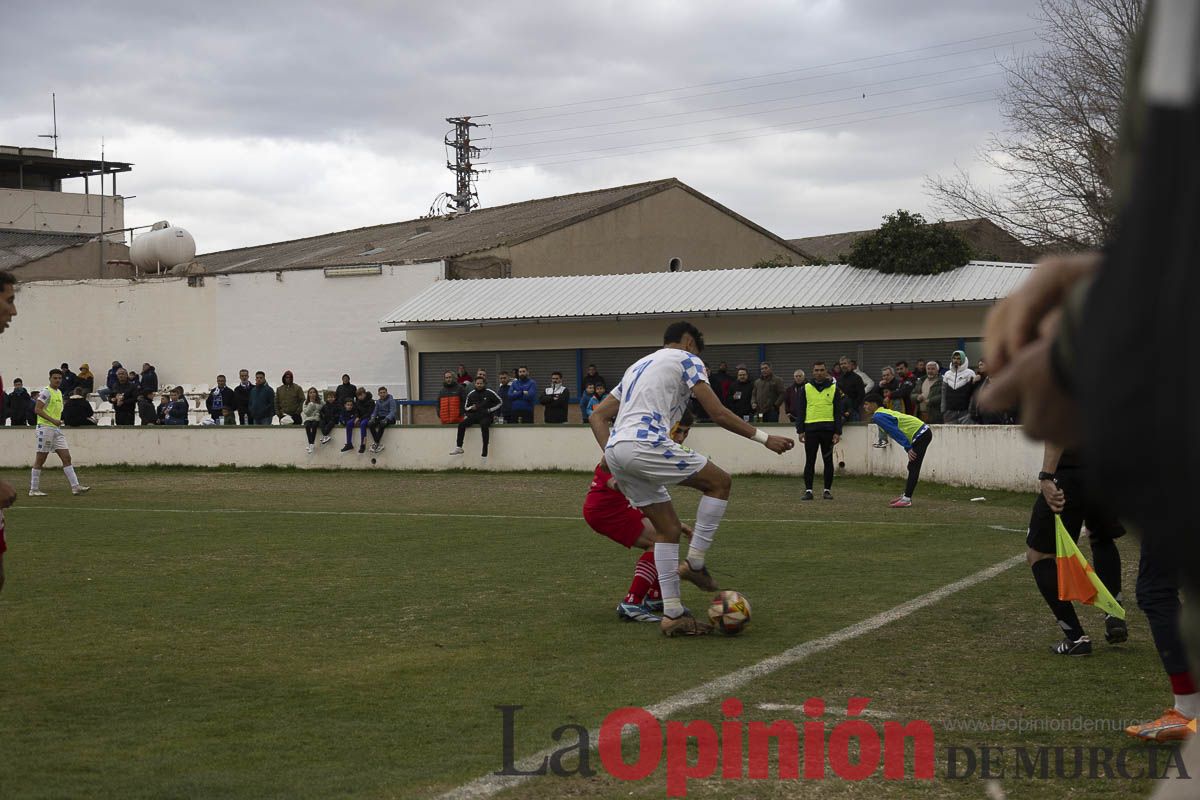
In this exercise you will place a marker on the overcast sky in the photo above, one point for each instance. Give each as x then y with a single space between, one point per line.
259 122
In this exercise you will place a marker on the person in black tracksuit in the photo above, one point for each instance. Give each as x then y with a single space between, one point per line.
480 408
1063 491
817 410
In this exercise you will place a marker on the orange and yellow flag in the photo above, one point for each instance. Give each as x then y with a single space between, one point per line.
1076 578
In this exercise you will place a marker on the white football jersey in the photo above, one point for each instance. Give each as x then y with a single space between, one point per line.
654 393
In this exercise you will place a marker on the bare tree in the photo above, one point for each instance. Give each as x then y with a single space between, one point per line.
1062 107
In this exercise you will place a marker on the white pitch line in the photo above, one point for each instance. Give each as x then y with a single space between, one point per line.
295 512
492 784
866 712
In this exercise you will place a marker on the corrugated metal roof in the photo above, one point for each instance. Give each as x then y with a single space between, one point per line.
21 247
779 290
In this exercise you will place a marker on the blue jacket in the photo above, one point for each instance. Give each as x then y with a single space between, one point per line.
385 408
903 428
585 405
593 402
262 401
524 394
177 412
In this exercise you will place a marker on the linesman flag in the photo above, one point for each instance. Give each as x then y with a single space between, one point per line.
1076 578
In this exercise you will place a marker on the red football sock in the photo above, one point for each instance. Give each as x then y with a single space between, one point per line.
645 578
1182 683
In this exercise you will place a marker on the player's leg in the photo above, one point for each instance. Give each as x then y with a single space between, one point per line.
1040 544
1158 598
827 460
667 530
811 445
716 485
919 446
35 474
69 470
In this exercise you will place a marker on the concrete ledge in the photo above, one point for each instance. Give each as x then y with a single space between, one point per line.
984 456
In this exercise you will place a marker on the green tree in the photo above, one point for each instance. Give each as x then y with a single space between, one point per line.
906 243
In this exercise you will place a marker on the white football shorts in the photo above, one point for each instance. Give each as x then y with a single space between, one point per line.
50 439
644 470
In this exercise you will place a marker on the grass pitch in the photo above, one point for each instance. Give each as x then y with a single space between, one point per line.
259 634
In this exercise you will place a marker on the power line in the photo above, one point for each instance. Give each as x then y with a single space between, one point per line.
742 105
740 116
772 83
770 74
754 136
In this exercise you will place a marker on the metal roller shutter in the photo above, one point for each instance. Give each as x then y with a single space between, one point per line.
611 362
787 358
539 362
877 355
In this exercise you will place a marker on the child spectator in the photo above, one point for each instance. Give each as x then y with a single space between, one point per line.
77 411
347 417
585 400
364 407
164 405
145 409
310 415
329 416
177 408
383 415
599 395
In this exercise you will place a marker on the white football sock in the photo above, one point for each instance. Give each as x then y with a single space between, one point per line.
35 479
1188 704
666 561
71 479
708 517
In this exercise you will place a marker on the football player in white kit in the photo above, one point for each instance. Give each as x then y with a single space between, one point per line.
643 407
50 438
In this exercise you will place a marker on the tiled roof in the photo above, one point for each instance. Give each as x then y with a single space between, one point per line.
438 238
712 292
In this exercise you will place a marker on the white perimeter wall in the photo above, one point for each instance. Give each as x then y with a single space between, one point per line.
969 455
317 327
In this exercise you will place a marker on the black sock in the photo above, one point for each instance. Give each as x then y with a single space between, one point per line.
1045 575
1106 560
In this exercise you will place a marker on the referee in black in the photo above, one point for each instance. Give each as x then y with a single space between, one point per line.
818 413
1063 492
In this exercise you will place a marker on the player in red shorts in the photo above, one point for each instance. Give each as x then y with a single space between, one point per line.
609 514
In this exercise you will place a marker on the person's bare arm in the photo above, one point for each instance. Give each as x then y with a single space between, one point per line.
39 408
602 418
732 422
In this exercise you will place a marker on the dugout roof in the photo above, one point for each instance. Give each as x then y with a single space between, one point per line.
707 293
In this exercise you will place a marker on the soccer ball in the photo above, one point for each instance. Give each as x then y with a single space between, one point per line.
729 612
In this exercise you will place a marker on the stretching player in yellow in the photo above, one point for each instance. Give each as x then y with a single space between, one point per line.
910 433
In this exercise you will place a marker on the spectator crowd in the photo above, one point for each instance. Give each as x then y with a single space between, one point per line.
934 393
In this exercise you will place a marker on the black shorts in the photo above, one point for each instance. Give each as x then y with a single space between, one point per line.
1101 523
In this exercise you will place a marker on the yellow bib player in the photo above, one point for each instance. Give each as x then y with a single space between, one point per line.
910 433
50 438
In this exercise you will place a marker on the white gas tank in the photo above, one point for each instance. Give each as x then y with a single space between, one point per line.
162 247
